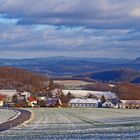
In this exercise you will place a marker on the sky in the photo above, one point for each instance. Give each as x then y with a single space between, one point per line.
75 28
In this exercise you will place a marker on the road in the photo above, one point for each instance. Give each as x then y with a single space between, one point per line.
24 116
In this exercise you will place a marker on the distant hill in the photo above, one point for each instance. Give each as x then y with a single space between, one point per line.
20 79
116 75
137 80
137 59
127 91
69 66
102 69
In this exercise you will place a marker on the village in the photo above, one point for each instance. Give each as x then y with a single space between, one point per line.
57 98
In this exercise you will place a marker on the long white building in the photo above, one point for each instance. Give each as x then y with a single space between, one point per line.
78 102
8 92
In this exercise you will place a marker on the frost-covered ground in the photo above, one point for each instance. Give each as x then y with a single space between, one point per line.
72 123
6 114
82 93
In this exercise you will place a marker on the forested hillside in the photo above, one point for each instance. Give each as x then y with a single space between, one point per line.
20 79
127 91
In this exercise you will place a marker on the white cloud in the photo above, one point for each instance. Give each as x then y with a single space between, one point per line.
135 12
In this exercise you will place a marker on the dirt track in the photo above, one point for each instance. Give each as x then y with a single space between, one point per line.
24 116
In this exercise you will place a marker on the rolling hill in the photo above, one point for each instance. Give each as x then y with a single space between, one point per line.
116 75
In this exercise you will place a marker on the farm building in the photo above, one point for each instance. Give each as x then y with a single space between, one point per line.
8 92
79 102
108 104
130 104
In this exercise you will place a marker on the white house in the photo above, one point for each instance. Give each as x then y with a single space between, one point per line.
87 103
108 104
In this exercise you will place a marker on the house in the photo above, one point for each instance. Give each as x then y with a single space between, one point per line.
130 104
42 96
25 95
112 103
32 101
87 103
1 101
108 104
56 92
53 102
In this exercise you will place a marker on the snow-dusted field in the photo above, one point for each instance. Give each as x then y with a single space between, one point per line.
6 114
53 123
82 93
72 83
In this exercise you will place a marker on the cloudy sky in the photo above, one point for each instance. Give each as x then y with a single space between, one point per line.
79 28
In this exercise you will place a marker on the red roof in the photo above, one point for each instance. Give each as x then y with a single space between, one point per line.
31 99
1 98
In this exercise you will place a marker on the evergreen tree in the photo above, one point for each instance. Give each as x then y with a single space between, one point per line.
15 98
70 96
103 99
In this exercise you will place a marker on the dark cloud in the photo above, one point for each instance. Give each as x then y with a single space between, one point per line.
91 14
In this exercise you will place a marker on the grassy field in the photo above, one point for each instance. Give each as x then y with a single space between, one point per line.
54 123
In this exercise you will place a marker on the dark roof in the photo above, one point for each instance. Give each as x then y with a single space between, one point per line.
52 101
115 101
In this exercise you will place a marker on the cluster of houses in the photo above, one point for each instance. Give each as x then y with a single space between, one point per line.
12 98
